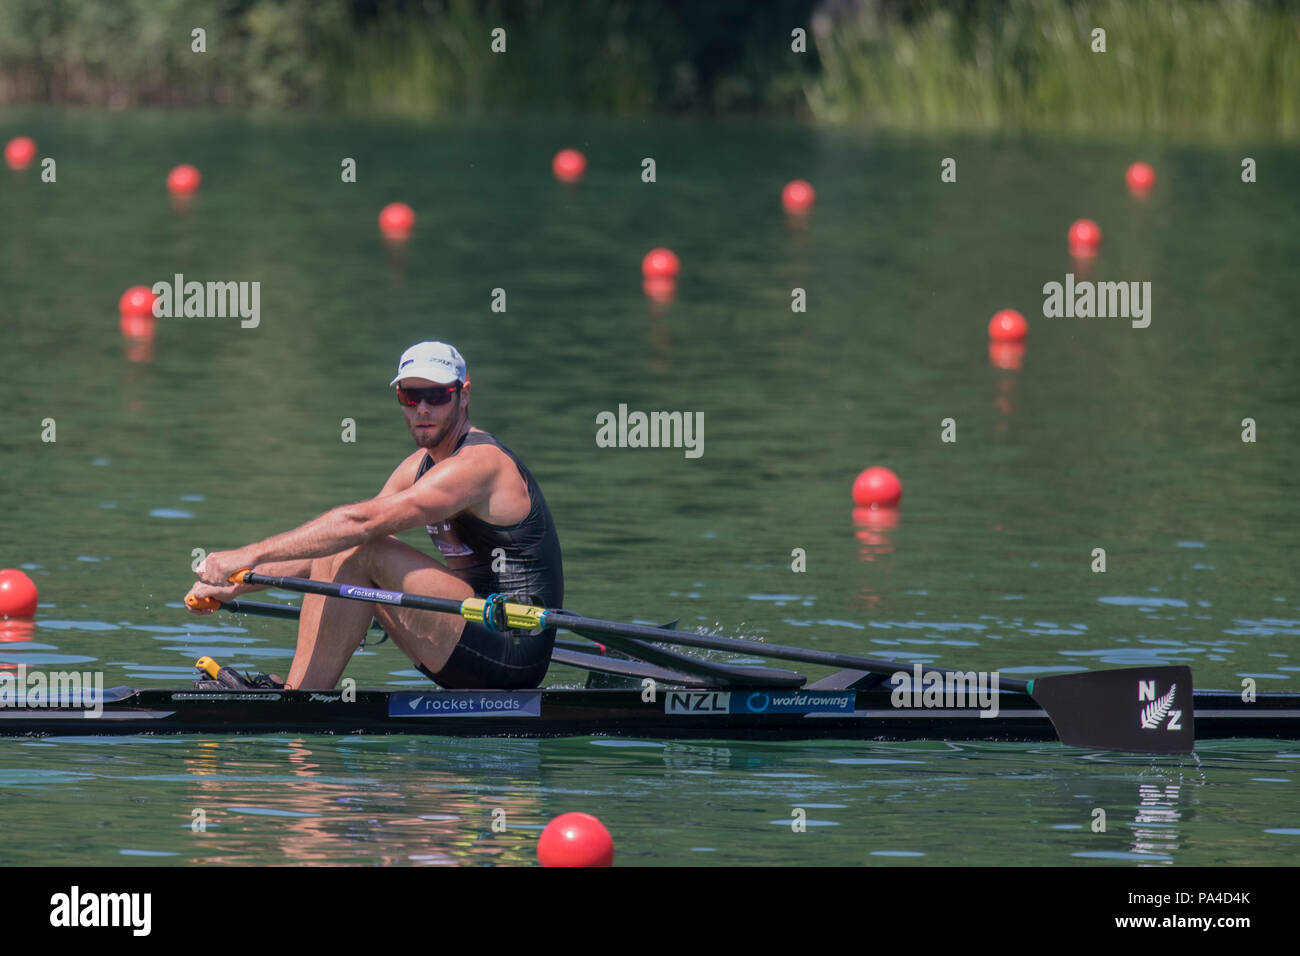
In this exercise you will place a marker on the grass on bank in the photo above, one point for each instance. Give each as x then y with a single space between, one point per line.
1204 67
1195 68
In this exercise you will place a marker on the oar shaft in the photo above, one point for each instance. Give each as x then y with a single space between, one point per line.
289 612
349 591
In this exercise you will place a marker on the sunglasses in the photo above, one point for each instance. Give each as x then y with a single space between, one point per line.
433 397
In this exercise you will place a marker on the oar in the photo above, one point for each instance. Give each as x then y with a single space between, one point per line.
723 674
672 667
569 655
1140 709
285 611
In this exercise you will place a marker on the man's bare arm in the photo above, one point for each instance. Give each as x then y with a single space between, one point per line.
402 478
455 485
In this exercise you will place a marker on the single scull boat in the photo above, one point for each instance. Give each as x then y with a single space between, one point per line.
819 711
673 695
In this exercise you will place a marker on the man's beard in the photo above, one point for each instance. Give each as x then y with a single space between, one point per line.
428 441
425 439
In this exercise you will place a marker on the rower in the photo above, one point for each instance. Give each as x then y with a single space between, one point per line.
486 515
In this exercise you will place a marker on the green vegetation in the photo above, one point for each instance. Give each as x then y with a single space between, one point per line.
425 57
121 53
1195 67
1203 67
561 57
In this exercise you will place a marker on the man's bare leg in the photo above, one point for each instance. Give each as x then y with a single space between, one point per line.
331 629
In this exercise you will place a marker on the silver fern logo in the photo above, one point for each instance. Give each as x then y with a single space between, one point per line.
1159 714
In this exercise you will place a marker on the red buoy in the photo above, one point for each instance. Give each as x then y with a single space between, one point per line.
137 302
1008 325
396 220
575 839
19 152
184 180
1085 237
797 197
877 488
660 264
17 594
1140 178
569 165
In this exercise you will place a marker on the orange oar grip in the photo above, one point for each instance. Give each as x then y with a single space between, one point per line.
238 576
196 603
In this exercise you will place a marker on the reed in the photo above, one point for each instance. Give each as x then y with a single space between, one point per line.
1210 68
1204 68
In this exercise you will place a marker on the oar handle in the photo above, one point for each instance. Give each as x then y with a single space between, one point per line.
196 603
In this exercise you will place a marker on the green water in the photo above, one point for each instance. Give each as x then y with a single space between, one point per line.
1106 437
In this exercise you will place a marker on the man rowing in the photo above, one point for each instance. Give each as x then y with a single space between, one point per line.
486 515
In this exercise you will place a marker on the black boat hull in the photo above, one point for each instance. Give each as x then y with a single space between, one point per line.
724 714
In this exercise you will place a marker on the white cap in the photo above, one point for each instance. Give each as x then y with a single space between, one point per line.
436 361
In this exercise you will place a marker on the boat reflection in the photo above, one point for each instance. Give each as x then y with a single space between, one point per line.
316 806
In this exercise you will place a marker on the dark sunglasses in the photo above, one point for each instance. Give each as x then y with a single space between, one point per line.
433 397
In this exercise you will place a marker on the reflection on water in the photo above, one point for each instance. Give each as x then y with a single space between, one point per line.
16 632
1009 357
290 804
408 801
1155 825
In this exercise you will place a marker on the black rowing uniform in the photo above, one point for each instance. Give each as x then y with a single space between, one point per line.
520 560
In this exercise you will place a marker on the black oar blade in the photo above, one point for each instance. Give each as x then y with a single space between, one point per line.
1137 709
617 667
722 674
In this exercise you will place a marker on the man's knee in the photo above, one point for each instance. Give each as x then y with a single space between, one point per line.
330 563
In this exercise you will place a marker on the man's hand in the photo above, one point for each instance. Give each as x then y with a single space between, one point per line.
223 593
218 566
